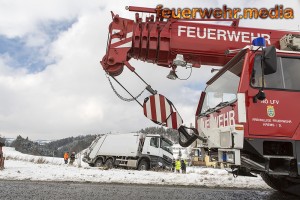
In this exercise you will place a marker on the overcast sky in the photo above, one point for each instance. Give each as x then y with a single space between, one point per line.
51 83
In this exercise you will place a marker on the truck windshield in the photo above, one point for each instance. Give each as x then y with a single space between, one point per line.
224 89
166 145
286 77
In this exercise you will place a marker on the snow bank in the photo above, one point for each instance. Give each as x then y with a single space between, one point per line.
55 170
11 154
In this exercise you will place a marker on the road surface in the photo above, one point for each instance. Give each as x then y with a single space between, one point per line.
22 190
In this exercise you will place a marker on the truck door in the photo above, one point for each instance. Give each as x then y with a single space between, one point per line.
152 146
278 114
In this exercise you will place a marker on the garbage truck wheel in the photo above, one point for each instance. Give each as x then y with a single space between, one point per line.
143 165
99 162
109 163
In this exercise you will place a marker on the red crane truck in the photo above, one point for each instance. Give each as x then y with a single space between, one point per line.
248 115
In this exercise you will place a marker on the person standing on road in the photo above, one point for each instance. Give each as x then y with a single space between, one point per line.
66 157
173 165
1 154
177 166
183 166
72 158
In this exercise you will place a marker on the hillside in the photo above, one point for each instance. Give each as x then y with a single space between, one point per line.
55 148
58 147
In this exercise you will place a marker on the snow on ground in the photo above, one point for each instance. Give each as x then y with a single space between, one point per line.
25 167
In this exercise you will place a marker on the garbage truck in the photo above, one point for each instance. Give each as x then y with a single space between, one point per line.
130 150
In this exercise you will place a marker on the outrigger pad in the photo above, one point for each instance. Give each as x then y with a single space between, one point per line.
161 111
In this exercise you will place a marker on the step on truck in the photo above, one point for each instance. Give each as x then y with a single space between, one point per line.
130 150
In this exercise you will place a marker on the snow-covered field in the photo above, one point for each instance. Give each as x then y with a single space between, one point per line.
27 167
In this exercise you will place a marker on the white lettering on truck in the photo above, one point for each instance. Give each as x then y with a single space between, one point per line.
219 34
221 120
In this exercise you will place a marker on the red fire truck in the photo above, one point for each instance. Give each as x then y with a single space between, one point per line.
248 114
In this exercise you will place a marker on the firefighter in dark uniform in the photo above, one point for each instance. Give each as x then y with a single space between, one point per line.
72 158
183 166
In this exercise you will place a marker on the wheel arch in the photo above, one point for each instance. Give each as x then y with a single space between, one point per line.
146 158
98 157
110 157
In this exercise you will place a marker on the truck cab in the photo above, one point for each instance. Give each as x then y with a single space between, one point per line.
158 149
250 115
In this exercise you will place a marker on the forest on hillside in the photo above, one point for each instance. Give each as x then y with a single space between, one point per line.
55 148
76 144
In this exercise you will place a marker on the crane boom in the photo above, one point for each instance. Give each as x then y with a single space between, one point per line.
157 41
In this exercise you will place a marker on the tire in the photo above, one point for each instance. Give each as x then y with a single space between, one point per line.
276 183
143 165
283 184
109 163
99 163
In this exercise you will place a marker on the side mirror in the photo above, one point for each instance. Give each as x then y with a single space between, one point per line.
269 60
259 96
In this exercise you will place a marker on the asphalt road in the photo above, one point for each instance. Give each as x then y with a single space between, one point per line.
22 190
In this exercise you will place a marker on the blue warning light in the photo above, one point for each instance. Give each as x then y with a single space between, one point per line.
260 41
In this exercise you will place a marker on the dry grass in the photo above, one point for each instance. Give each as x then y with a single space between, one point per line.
37 160
41 160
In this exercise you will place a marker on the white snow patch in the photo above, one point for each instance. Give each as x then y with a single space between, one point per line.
21 167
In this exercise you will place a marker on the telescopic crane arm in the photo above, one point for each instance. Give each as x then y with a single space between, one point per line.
171 43
157 41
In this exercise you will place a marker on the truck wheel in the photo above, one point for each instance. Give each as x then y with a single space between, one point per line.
99 162
283 184
276 183
109 163
143 165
